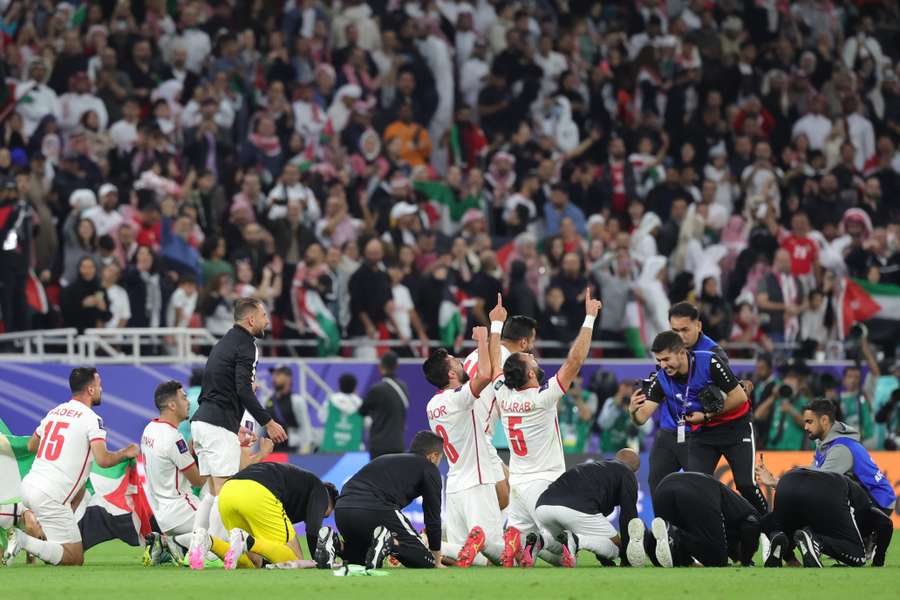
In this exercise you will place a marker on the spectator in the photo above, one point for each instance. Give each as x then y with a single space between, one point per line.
715 313
781 297
404 317
616 428
856 407
216 305
370 296
522 299
105 216
144 287
182 302
180 255
84 302
386 403
783 409
554 324
803 251
573 282
414 138
80 241
614 274
119 305
765 387
559 208
337 227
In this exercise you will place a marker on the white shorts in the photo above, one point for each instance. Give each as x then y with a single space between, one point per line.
176 515
470 507
57 520
218 450
556 519
523 497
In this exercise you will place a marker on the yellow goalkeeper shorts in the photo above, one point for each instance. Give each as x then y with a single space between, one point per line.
250 506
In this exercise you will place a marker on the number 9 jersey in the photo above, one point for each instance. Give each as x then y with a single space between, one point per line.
63 459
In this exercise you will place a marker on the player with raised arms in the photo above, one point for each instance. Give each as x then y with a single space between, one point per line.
471 508
66 441
528 407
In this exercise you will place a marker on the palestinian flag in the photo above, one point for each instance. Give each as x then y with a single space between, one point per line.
311 315
449 206
635 335
117 489
875 304
450 323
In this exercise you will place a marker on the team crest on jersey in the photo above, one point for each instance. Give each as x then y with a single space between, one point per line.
182 446
500 383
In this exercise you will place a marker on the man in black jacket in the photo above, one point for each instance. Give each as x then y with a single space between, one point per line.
228 389
386 403
368 510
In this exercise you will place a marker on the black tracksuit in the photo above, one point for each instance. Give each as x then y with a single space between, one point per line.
707 520
837 510
227 387
375 496
301 493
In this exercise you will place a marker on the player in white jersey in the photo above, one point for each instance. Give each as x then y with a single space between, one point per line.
170 472
471 498
64 443
517 336
528 407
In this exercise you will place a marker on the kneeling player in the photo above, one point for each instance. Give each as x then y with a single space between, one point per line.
698 517
823 513
368 514
571 511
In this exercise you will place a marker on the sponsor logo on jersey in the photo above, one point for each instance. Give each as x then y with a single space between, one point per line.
182 446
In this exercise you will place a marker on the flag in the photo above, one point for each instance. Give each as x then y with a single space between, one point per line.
79 16
35 294
311 315
448 204
875 304
450 324
634 329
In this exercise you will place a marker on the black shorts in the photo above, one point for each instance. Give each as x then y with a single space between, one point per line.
357 525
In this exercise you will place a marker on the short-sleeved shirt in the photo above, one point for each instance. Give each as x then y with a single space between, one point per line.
64 457
529 418
166 456
452 415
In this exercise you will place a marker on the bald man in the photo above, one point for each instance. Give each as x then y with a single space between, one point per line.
571 511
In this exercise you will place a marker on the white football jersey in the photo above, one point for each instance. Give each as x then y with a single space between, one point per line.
486 410
166 456
529 418
64 458
451 415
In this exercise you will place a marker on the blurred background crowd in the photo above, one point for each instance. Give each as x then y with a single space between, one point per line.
378 171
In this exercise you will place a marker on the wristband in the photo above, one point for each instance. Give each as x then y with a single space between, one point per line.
588 321
496 327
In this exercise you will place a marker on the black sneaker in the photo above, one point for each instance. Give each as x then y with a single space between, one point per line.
778 549
380 548
325 549
809 548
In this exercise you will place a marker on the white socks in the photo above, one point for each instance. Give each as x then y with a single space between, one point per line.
201 517
49 552
599 545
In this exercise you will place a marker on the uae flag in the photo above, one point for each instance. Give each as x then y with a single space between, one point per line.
875 304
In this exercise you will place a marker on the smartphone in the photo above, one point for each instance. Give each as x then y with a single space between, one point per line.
645 387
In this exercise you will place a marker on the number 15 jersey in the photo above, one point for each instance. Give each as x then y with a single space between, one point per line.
63 460
529 419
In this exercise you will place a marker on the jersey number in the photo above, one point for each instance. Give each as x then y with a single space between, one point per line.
52 442
449 450
516 437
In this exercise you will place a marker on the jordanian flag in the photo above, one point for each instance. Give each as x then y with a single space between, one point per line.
117 489
875 304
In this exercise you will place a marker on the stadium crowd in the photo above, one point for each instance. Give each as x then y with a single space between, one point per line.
383 169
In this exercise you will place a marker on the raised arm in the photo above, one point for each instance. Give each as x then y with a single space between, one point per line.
497 317
483 375
582 345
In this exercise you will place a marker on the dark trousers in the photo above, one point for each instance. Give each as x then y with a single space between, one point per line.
803 500
98 526
699 528
356 526
666 456
733 440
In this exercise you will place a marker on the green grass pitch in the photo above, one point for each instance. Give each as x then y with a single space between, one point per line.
114 570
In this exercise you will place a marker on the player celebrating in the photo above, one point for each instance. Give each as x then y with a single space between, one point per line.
517 336
65 441
700 518
571 511
471 497
261 503
689 386
823 512
528 413
228 384
368 514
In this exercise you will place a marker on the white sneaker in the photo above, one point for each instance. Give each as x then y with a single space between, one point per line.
324 555
663 549
378 551
199 547
635 550
174 549
765 547
237 545
12 548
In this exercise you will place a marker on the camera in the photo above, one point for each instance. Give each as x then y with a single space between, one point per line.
785 391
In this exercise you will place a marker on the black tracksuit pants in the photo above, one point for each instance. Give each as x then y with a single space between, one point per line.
356 526
666 456
734 440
